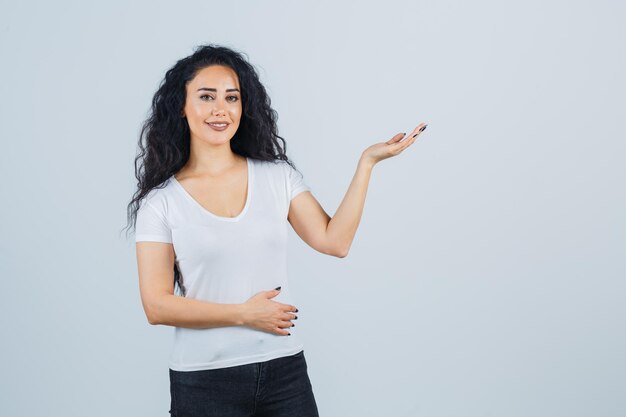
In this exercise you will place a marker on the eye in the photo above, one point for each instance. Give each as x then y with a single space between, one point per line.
229 97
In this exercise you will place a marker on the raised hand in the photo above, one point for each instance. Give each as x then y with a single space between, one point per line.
393 146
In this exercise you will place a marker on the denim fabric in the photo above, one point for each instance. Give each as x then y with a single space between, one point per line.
276 388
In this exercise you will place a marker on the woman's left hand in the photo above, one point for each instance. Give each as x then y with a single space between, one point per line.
392 147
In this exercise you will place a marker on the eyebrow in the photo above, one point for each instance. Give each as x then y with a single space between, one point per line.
215 90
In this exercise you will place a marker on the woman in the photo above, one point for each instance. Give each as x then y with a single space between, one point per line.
215 193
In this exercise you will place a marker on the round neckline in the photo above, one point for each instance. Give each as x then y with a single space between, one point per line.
204 210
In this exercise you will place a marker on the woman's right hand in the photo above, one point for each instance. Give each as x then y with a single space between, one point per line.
267 315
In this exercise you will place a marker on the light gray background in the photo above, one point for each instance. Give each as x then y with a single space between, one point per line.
487 275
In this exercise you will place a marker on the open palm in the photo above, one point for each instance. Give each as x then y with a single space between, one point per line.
393 146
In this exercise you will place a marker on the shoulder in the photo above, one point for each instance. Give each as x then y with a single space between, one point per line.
153 223
267 164
275 169
277 165
160 197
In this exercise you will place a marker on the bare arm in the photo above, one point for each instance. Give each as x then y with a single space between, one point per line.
155 262
331 236
334 236
343 225
173 310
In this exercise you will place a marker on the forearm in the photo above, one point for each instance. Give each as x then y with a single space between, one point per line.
173 310
343 225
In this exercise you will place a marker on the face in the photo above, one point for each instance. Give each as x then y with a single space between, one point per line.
213 95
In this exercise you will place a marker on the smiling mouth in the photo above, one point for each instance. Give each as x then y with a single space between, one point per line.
218 126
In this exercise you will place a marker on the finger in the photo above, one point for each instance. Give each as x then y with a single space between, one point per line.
286 324
272 293
419 129
396 138
401 146
289 316
398 146
411 140
283 331
412 137
289 308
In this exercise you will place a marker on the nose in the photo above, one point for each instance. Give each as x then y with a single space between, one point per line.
219 109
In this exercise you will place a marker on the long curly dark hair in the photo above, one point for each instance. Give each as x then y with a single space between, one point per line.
164 140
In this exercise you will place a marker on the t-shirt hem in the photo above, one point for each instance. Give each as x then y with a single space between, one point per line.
152 238
236 361
299 190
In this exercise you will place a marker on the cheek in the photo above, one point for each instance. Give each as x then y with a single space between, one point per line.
196 118
200 111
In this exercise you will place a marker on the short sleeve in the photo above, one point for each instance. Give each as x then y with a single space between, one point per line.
296 182
151 225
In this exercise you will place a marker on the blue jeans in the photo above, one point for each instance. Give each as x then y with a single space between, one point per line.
276 388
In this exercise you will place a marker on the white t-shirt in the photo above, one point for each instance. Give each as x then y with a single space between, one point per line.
227 260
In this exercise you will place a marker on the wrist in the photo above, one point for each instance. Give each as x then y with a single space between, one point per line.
366 162
240 315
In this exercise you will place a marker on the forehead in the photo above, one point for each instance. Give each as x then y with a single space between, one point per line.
215 76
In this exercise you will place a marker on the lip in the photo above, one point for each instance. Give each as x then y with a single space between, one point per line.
219 129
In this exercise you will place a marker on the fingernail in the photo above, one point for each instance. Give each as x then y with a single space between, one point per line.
296 318
277 288
296 310
421 130
288 334
293 325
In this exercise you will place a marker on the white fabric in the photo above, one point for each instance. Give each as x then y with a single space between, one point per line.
227 260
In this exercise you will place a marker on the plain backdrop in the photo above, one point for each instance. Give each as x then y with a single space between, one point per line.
487 276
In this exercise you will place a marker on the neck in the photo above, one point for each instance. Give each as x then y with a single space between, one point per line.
211 160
